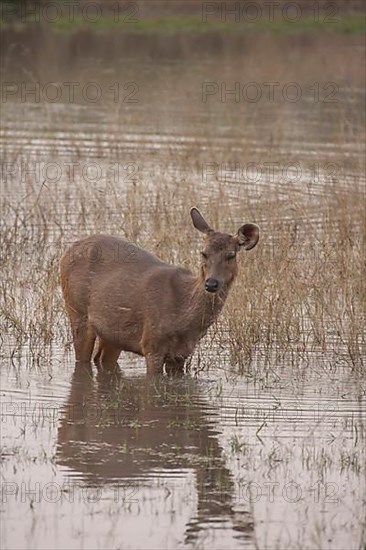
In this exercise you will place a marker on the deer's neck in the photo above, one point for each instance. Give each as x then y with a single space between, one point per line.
205 307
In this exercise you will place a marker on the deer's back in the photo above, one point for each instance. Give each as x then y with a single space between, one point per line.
93 262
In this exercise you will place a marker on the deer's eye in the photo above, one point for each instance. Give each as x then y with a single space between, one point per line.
230 255
204 255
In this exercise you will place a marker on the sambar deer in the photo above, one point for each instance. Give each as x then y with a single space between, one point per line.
133 301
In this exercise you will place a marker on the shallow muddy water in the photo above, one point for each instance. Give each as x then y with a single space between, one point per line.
216 461
270 457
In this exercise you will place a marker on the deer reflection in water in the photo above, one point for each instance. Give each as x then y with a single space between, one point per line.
150 425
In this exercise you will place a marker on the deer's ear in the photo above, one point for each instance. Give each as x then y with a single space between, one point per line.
248 235
199 221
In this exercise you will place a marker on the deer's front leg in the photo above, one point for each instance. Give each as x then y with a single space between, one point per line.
154 362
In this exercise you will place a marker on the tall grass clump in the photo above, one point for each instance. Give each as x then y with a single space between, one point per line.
301 290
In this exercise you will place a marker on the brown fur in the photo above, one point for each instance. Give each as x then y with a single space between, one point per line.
133 301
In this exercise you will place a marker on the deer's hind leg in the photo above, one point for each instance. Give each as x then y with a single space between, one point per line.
83 336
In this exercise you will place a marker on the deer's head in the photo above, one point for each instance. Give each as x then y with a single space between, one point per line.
219 256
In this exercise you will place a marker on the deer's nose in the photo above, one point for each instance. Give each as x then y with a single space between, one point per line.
211 285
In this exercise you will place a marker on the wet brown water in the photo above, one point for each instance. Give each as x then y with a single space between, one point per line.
272 458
